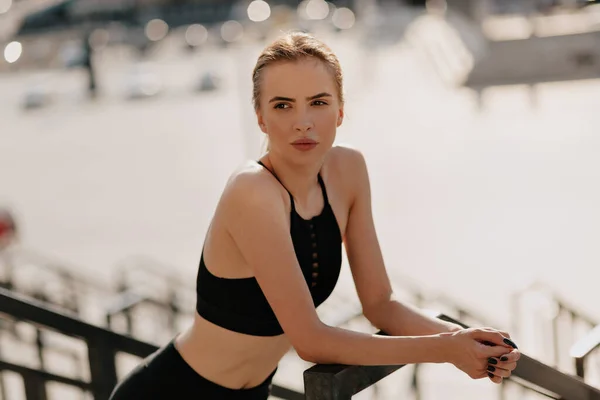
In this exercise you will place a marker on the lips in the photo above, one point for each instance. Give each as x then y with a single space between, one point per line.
304 141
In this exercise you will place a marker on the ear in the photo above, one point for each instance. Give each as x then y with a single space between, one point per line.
261 121
340 118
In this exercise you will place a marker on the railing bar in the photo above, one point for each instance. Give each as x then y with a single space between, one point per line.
336 382
534 388
544 376
587 344
44 375
40 314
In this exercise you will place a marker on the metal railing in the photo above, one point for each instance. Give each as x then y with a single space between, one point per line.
340 382
584 348
322 382
565 318
102 347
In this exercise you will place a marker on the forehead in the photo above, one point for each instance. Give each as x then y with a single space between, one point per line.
304 77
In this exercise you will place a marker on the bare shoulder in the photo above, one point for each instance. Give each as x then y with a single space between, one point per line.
250 186
346 158
347 166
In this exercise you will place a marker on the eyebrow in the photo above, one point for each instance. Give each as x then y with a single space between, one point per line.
316 96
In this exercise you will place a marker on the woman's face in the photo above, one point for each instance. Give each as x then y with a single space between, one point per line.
299 109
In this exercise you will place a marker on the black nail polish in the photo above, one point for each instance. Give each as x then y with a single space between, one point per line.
490 375
490 368
492 361
503 358
510 343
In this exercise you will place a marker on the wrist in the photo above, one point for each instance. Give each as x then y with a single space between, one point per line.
445 347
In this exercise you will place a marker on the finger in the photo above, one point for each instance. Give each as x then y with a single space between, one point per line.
492 337
501 372
494 378
492 352
513 356
488 329
508 365
505 334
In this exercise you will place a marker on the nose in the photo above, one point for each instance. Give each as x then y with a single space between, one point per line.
304 123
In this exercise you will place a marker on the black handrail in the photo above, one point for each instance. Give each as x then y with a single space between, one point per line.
341 382
102 345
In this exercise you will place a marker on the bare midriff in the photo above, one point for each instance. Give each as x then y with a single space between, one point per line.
227 358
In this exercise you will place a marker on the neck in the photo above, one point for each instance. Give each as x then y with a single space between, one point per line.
300 180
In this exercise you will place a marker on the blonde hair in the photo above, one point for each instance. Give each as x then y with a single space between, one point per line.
295 46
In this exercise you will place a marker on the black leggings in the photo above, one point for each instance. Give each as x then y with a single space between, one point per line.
165 375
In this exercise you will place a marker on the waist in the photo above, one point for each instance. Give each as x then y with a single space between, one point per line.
230 359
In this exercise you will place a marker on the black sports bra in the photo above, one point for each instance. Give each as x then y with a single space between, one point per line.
240 305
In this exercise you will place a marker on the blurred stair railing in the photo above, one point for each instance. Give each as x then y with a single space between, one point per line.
50 280
145 283
340 382
572 333
102 348
583 348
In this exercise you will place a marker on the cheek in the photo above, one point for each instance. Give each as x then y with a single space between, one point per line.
276 124
327 120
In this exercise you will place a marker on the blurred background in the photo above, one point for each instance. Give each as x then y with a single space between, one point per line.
121 120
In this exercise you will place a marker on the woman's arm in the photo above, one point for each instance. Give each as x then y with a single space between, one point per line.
258 223
367 265
397 318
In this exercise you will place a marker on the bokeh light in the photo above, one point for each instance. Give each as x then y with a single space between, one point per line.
343 18
259 11
196 35
232 31
156 30
317 9
13 51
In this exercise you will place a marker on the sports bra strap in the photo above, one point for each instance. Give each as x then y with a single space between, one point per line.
323 190
273 173
321 183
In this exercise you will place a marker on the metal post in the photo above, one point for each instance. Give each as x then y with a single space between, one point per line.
555 341
580 367
35 387
102 367
2 382
39 343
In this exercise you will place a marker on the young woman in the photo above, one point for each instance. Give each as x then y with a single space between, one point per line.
273 253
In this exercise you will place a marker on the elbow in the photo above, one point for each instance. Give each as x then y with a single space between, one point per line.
311 347
307 355
315 356
374 316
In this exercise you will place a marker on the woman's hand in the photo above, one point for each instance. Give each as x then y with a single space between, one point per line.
483 352
502 367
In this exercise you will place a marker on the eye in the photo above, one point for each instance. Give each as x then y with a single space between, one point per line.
319 103
281 106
